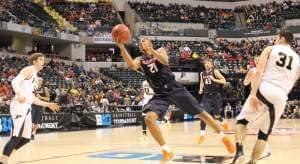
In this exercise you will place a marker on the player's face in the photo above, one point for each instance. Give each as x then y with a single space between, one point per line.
208 65
145 45
39 63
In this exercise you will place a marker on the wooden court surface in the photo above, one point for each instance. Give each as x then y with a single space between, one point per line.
122 146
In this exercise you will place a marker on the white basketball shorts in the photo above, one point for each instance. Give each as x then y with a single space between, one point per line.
266 116
21 117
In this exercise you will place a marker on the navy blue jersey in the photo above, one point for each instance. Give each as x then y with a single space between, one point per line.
209 85
156 73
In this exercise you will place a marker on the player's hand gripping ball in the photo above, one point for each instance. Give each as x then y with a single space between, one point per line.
121 33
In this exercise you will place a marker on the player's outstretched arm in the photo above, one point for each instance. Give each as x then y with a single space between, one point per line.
254 102
263 59
201 85
248 77
53 106
133 64
44 98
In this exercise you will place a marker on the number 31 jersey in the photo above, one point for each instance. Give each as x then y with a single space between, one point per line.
282 67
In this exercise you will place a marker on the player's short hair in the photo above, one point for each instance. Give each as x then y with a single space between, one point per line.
35 56
288 36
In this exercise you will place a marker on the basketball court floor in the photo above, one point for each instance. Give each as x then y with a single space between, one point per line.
122 146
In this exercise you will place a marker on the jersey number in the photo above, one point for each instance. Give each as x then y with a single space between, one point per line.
283 61
153 68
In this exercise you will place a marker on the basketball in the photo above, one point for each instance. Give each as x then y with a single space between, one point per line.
121 33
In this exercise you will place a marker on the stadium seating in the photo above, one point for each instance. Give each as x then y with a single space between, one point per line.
266 16
88 16
154 12
130 77
27 12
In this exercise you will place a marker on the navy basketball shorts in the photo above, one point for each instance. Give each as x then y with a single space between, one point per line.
212 103
36 114
173 93
158 104
185 101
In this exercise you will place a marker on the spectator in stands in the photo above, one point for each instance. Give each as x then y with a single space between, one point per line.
4 89
127 100
290 110
96 107
104 103
230 56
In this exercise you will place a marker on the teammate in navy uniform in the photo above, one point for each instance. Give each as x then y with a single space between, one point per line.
155 65
211 83
36 111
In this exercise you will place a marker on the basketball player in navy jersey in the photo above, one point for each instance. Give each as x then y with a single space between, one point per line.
211 83
36 111
155 65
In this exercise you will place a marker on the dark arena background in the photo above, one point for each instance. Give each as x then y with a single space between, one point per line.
100 99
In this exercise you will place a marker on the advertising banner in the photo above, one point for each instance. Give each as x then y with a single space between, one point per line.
126 118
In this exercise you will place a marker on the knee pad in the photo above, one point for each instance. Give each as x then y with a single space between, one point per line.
243 122
263 136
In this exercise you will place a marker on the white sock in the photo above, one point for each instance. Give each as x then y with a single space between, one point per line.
166 148
202 132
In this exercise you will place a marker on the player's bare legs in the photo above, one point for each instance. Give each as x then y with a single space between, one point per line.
240 134
143 138
155 131
34 130
258 150
204 116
